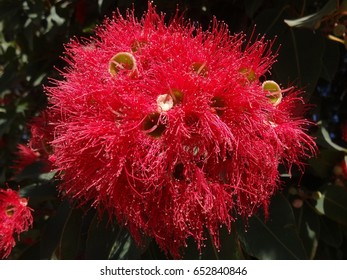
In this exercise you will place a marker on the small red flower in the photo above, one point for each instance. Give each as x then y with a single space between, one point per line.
38 148
15 217
25 157
168 128
40 130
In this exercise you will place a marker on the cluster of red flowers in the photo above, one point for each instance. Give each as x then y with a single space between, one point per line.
15 217
37 151
169 129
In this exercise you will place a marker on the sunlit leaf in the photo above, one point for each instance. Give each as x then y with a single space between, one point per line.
312 21
47 176
328 140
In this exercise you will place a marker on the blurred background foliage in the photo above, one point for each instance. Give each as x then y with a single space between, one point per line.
308 219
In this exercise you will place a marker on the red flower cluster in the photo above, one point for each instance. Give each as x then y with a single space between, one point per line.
168 127
15 217
37 149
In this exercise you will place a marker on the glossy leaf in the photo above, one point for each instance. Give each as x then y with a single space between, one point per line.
53 230
39 191
230 248
312 21
331 232
275 238
328 140
330 60
30 171
308 225
301 48
322 165
107 240
70 239
333 203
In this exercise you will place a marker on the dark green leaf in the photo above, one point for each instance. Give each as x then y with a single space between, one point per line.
68 246
52 232
31 253
107 240
105 5
298 58
333 203
153 252
276 238
322 165
42 191
31 171
331 232
251 7
270 22
230 245
230 248
309 228
331 60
